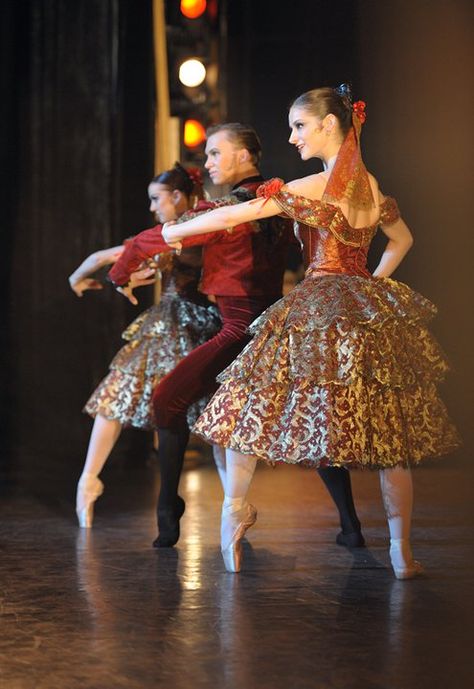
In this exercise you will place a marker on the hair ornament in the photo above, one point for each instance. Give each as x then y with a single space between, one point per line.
195 175
359 110
345 91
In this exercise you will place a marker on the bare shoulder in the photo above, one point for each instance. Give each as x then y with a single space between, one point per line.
311 186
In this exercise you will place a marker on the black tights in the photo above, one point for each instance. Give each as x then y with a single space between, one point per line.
338 483
171 448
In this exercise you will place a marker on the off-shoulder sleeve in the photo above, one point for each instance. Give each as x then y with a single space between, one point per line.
389 212
285 200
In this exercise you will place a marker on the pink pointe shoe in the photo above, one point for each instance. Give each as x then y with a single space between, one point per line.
403 564
235 524
89 489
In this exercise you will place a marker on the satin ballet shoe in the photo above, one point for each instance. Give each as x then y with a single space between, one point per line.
403 564
168 525
89 489
354 539
238 523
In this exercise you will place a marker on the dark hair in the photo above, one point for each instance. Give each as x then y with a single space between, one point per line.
320 102
179 178
242 135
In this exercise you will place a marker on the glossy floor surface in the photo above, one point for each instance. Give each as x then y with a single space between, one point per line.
101 609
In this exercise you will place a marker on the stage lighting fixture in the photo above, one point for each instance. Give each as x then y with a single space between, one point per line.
192 72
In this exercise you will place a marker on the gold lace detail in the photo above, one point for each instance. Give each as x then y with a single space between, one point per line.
389 212
320 214
341 372
157 341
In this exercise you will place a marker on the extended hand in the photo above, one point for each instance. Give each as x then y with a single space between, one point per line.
144 276
172 236
81 286
128 294
137 279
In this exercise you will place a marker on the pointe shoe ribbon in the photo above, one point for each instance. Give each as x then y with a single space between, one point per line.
89 489
238 523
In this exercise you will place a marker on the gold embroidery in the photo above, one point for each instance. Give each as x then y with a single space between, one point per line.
158 339
389 212
319 214
343 370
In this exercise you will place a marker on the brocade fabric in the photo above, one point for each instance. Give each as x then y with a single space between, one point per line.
156 342
343 370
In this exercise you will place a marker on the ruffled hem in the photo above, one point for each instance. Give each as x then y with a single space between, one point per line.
175 313
127 398
337 329
163 335
357 426
158 340
340 372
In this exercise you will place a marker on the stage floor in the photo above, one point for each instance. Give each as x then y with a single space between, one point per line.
101 609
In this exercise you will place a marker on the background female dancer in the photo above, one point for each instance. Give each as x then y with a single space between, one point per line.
244 270
342 371
157 340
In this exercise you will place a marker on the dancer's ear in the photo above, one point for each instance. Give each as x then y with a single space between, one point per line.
243 156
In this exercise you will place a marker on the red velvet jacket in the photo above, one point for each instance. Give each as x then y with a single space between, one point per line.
248 260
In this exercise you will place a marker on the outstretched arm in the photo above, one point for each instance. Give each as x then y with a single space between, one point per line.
223 218
143 246
80 281
139 250
150 242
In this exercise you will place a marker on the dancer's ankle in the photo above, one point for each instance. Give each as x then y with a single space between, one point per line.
233 504
400 551
87 476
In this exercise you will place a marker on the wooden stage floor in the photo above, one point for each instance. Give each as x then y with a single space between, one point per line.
101 609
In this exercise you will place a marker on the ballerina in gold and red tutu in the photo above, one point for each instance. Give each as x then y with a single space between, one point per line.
156 341
342 371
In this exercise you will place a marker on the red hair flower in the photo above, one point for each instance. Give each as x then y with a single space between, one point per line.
195 174
270 187
359 109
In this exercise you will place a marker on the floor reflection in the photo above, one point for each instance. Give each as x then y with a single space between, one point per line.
102 609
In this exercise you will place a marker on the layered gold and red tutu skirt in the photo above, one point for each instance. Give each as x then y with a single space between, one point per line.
341 372
157 341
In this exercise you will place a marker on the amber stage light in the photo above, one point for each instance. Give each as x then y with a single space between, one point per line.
194 133
193 8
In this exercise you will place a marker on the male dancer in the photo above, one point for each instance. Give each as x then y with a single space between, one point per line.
244 271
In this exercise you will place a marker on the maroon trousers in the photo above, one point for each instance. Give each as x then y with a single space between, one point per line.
195 376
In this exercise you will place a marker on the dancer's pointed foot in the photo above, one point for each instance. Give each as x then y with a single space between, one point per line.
403 564
168 525
233 528
354 539
89 489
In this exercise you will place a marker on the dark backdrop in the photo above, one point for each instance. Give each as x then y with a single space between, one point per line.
76 139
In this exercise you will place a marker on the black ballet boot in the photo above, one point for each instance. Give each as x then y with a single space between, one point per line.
338 483
171 447
168 524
